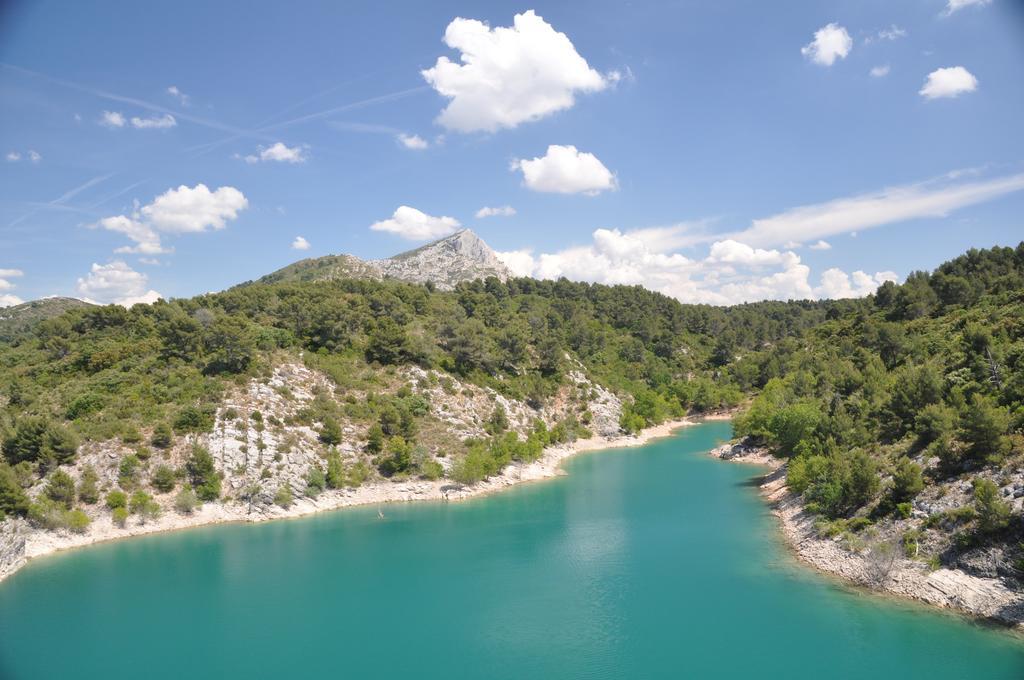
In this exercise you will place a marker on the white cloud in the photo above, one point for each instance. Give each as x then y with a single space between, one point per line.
830 42
147 241
280 153
414 142
934 198
194 209
948 82
566 170
182 98
34 156
154 122
821 245
880 71
501 211
13 156
509 75
732 272
116 283
894 32
8 299
300 244
151 261
415 225
835 283
112 119
957 5
176 211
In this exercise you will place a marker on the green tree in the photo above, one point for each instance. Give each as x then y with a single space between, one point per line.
202 474
13 500
330 433
907 481
993 511
88 490
143 505
983 425
60 488
162 437
316 481
164 479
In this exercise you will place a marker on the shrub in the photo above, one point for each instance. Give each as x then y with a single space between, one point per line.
316 482
906 481
77 521
162 437
88 492
13 500
186 501
164 479
116 499
37 439
283 496
143 505
330 433
202 474
128 472
120 516
60 488
993 511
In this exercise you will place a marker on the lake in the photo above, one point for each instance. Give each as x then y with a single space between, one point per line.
653 562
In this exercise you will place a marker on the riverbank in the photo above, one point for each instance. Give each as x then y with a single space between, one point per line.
21 543
882 571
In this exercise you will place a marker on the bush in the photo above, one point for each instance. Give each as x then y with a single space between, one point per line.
330 433
164 479
60 488
120 516
77 521
283 496
195 420
202 474
186 502
993 511
162 437
116 499
907 481
431 469
13 500
143 505
316 482
128 472
88 492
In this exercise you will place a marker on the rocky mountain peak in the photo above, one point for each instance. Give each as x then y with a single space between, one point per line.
462 256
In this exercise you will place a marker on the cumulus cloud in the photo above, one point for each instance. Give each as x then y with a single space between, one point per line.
501 211
414 142
9 299
509 75
13 156
933 198
182 98
34 156
880 71
154 122
957 5
280 153
732 272
415 225
830 42
821 245
112 119
176 211
566 170
948 82
300 244
116 283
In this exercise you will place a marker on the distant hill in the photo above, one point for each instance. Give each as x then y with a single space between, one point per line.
463 256
19 319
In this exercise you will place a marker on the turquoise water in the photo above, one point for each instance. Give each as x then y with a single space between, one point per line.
656 562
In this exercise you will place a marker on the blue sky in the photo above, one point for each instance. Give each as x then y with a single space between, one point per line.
716 151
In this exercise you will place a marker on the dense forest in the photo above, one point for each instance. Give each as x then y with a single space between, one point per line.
872 400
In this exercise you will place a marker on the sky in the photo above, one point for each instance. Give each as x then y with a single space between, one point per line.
717 151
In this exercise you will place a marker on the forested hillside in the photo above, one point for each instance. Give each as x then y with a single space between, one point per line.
904 416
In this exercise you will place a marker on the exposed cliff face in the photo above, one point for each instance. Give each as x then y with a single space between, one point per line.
463 256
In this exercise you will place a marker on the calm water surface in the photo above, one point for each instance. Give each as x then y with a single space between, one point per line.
655 562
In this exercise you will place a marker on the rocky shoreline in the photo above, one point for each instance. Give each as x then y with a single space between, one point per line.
19 543
991 599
